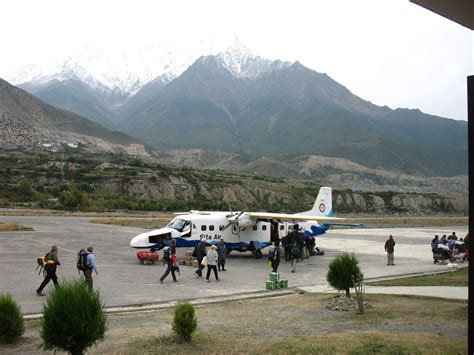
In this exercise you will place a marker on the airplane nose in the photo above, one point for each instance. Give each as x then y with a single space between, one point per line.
134 243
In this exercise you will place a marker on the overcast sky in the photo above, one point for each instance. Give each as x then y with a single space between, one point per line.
389 52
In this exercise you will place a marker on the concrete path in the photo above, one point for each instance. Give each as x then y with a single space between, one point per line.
449 292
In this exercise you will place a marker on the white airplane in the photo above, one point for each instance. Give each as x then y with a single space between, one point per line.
242 231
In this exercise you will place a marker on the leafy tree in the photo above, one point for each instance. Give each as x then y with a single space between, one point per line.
184 322
73 319
341 271
25 189
11 321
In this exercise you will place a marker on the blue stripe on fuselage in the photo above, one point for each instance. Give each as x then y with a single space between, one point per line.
184 243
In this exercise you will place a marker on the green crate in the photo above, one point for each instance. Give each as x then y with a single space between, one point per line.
274 276
283 283
271 285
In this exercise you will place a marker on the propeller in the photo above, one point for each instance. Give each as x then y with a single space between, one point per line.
233 219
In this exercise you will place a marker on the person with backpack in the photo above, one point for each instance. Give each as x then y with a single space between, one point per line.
51 264
89 266
168 260
274 256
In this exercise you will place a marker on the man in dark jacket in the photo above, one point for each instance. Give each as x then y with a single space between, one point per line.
434 244
221 253
167 258
199 253
274 256
390 248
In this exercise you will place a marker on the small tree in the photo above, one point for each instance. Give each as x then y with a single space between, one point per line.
359 288
12 325
341 269
73 319
184 322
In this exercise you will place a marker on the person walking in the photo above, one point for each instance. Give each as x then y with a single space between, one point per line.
173 252
89 267
212 263
199 253
221 253
52 262
167 258
274 256
434 243
390 248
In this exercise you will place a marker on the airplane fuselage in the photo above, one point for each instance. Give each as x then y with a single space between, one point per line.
241 231
189 229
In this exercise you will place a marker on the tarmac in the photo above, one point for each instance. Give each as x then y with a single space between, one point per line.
126 285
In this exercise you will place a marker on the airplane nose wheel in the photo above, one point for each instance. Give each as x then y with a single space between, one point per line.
258 254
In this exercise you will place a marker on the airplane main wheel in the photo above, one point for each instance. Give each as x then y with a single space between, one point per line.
258 254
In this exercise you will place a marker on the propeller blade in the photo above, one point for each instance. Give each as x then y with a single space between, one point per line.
233 219
226 226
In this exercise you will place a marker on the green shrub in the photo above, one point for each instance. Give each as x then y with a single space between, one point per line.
341 270
12 325
73 319
184 322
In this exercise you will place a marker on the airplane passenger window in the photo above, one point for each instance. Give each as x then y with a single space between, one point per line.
221 227
282 227
254 228
203 227
264 228
211 227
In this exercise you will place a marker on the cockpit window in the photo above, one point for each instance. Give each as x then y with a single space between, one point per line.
179 224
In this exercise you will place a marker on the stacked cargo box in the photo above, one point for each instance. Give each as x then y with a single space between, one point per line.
275 282
189 260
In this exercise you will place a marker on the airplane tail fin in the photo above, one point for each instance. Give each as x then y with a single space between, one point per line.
323 204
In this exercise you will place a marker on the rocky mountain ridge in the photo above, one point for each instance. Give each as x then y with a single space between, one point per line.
337 172
26 121
98 182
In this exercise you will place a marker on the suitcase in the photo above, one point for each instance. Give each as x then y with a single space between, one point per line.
147 256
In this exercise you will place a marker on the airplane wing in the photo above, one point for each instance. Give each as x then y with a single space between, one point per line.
345 224
291 217
194 212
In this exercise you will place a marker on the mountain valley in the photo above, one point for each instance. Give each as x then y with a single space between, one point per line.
236 111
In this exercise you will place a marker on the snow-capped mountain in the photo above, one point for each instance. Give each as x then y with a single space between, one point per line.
125 71
241 63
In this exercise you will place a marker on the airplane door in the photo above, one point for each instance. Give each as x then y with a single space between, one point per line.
187 230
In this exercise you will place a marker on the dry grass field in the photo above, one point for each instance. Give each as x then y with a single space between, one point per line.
292 324
12 227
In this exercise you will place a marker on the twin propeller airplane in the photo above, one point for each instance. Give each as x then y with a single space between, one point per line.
241 231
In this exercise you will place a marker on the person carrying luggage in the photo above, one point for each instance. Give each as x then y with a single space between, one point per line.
50 268
168 260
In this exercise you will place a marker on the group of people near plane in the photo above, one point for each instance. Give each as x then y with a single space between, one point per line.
449 246
212 258
295 245
296 248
